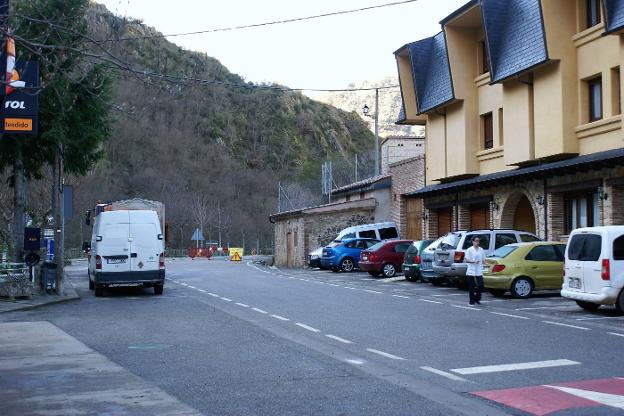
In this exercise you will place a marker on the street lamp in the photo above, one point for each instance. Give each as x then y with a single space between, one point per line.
375 116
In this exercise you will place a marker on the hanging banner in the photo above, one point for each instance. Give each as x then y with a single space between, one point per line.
20 105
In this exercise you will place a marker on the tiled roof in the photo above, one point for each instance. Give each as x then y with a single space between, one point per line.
432 74
614 12
382 179
515 36
401 118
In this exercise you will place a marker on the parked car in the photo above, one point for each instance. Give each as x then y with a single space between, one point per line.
314 258
522 268
379 231
594 267
427 274
345 255
412 259
449 263
384 258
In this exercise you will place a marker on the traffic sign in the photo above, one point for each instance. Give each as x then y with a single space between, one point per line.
236 253
197 235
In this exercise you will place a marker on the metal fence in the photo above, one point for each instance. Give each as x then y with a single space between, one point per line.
14 272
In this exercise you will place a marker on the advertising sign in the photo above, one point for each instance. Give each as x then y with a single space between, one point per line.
32 239
20 106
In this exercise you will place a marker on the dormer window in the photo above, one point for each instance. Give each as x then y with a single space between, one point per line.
485 62
593 13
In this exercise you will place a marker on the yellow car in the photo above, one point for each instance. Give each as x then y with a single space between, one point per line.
524 267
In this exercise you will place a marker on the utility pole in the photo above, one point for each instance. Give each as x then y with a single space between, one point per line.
376 131
356 167
279 197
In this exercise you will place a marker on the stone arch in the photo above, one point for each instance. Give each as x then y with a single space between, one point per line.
519 212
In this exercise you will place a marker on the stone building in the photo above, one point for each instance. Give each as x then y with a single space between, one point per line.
522 105
394 149
408 176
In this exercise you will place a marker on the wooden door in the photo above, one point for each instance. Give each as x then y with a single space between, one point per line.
445 221
480 217
414 219
290 250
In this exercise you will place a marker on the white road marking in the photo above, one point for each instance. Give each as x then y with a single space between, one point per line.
450 294
443 374
309 328
192 287
510 315
547 307
344 341
304 280
600 317
242 304
281 318
259 310
384 354
617 334
466 307
514 367
214 295
356 362
611 400
566 325
226 299
430 301
333 284
349 287
372 291
291 277
400 296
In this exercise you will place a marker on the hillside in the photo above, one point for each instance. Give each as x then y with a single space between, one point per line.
212 153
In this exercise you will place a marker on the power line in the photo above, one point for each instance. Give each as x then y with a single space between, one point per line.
255 25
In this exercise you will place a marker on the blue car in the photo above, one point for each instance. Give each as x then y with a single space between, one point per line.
345 255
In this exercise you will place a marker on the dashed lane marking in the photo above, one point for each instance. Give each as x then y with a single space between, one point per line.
214 295
242 304
617 334
566 325
385 354
400 296
226 299
309 328
430 301
510 315
619 318
192 287
259 310
356 362
372 291
281 318
443 374
337 338
202 290
471 308
514 367
450 294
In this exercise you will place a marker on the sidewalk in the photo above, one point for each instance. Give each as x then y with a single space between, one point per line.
45 371
39 298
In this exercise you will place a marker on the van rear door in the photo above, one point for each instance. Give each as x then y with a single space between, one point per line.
145 247
583 265
114 248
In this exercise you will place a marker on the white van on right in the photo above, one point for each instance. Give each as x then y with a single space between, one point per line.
594 267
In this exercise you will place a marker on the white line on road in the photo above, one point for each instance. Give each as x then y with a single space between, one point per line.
242 304
226 299
617 334
566 325
372 291
333 284
281 318
202 290
192 287
309 328
349 287
402 297
600 317
344 341
547 307
356 362
443 374
430 301
259 310
214 295
466 307
510 315
304 280
384 354
514 367
450 294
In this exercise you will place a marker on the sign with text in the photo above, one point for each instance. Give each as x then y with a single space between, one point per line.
20 108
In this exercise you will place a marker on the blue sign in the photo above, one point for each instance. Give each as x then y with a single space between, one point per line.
197 235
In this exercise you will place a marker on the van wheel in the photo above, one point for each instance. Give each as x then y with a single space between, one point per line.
91 284
522 288
619 305
347 265
158 289
588 306
99 291
389 270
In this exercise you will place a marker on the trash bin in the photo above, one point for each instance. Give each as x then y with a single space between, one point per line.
48 276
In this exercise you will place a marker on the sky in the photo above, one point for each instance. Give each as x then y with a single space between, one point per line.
326 53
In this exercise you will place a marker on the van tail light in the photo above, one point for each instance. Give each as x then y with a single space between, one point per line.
98 263
161 261
459 256
606 270
417 260
498 268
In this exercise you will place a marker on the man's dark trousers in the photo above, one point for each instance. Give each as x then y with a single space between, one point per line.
475 287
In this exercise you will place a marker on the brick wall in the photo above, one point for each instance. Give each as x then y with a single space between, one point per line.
407 176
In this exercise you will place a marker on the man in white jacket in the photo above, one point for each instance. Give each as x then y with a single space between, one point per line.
475 257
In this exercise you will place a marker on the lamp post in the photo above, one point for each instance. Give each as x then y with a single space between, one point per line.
375 116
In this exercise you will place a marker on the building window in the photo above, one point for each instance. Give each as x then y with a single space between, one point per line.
487 127
582 209
485 63
595 99
593 13
616 94
500 127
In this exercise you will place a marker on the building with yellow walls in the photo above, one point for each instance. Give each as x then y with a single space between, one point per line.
522 104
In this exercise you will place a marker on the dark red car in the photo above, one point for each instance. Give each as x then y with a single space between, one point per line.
384 258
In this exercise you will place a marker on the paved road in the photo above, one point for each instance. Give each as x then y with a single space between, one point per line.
245 339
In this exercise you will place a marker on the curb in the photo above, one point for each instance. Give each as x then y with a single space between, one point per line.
54 301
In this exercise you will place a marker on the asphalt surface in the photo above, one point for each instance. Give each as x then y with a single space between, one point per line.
244 339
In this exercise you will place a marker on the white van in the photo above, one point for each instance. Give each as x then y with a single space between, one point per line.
379 231
594 267
127 250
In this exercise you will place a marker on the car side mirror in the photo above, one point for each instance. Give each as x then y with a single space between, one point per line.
160 236
98 238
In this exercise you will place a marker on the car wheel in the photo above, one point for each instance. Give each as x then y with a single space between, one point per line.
374 274
99 291
497 292
522 288
347 265
588 306
158 289
436 282
334 269
91 284
389 270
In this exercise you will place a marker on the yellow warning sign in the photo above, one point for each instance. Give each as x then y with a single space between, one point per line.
236 253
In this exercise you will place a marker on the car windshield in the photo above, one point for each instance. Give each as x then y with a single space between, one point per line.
344 235
450 241
503 252
376 246
412 249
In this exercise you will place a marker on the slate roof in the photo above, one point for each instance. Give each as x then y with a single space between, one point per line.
614 12
515 36
401 119
432 73
562 167
376 182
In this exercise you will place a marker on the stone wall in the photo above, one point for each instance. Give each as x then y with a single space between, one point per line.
293 225
322 228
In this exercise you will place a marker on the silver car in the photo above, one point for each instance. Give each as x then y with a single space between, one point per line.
449 263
